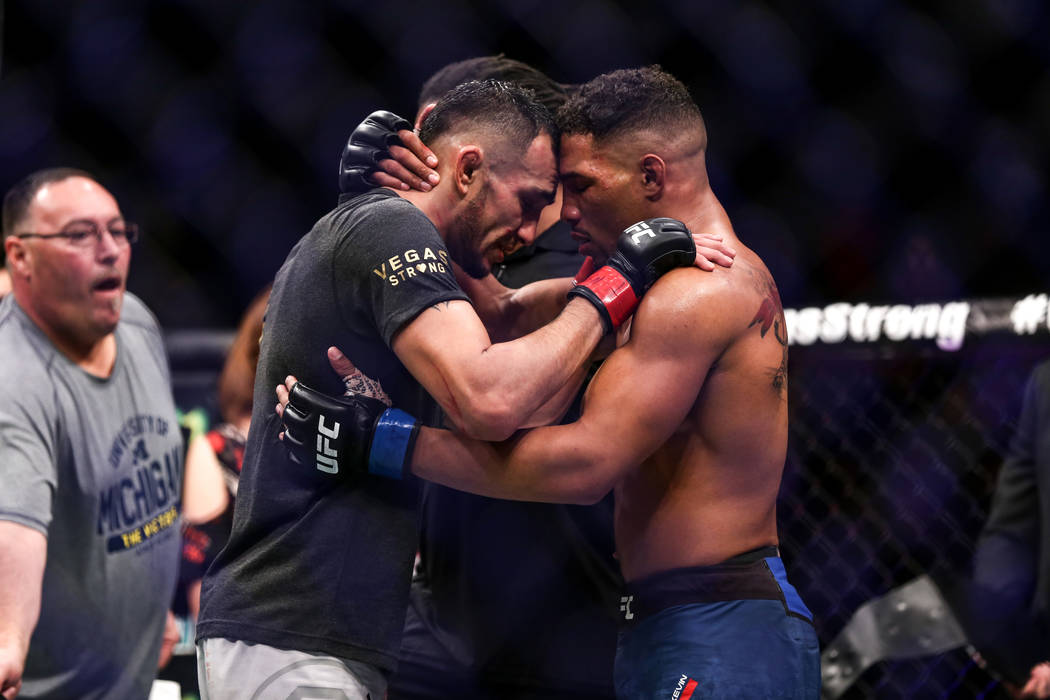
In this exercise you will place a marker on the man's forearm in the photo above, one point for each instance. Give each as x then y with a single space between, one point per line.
550 465
535 305
512 313
554 409
513 380
22 555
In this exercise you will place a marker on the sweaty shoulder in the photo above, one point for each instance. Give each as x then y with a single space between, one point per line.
688 303
715 306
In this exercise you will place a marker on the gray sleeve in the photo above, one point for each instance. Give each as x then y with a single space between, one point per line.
27 461
136 314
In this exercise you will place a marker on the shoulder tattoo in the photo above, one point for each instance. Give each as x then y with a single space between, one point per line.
770 314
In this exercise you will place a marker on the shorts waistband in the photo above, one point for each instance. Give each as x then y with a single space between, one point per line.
754 575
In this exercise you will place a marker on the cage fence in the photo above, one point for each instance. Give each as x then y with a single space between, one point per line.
894 449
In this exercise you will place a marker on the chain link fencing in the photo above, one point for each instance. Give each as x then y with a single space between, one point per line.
893 456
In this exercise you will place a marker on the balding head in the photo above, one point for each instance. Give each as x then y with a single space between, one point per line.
67 265
19 198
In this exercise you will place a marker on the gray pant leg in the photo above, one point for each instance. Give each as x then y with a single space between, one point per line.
232 670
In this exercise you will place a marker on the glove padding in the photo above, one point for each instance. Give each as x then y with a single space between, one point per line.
346 436
369 143
645 251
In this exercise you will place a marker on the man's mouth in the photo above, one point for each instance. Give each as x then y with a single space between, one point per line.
109 283
508 246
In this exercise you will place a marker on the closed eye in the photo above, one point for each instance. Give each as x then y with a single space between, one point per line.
576 185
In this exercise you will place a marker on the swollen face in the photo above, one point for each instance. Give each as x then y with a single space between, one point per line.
78 290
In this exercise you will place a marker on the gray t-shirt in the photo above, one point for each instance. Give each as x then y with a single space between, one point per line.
96 465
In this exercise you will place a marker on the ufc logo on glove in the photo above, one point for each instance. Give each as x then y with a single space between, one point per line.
327 456
353 434
638 230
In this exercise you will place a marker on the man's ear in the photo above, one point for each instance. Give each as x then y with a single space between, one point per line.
423 114
653 171
468 165
17 256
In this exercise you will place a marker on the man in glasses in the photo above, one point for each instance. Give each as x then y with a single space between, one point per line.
90 452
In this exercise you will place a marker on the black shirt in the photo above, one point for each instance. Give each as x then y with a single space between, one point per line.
309 566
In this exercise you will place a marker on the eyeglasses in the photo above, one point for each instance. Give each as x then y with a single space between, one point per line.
87 234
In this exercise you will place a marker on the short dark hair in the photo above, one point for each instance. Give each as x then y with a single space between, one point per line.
20 196
629 100
549 93
499 107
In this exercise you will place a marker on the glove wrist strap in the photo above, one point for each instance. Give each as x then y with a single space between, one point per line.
393 439
612 292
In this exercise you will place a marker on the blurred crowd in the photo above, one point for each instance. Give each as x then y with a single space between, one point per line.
95 443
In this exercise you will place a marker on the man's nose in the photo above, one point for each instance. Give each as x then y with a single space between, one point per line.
106 248
569 211
527 231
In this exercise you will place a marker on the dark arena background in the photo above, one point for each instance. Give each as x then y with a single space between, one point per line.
887 159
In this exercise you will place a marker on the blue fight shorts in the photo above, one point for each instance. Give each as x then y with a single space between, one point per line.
735 630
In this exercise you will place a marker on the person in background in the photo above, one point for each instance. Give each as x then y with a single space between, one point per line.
1012 560
90 451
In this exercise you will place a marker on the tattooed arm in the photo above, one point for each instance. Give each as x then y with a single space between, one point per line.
770 319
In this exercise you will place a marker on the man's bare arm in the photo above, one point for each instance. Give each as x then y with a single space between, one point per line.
23 552
636 401
511 313
491 389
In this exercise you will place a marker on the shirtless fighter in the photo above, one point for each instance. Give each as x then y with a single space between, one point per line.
686 420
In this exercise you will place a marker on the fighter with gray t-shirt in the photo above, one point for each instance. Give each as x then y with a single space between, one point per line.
77 449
